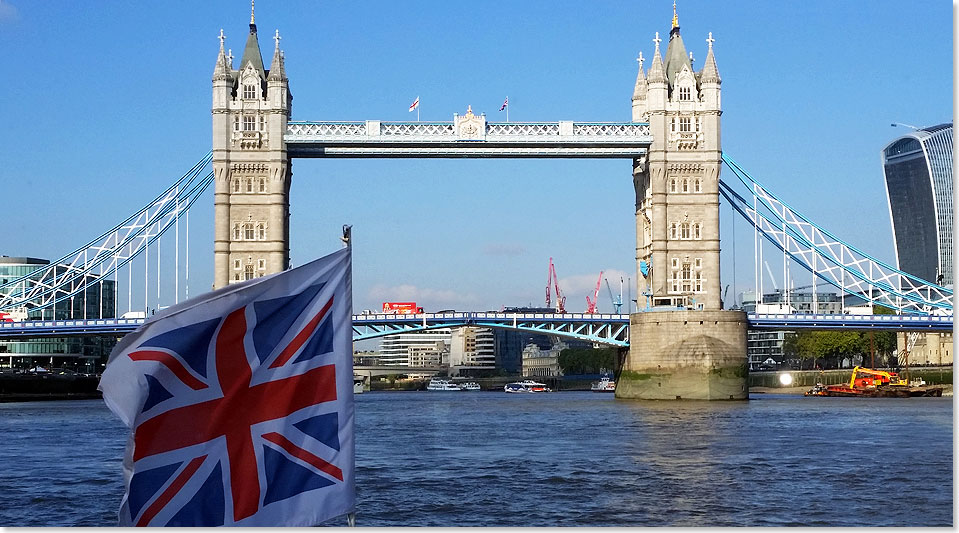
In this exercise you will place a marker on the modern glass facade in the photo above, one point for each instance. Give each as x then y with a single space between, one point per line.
918 174
80 353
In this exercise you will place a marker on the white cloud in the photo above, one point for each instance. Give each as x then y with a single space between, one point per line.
7 11
429 299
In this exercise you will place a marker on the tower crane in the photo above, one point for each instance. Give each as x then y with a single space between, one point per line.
553 279
591 304
617 303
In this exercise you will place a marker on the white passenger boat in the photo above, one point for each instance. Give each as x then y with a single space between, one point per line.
526 386
470 385
603 385
442 384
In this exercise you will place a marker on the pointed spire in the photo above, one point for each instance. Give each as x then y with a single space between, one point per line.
251 53
676 51
253 9
710 72
639 91
277 70
222 70
657 72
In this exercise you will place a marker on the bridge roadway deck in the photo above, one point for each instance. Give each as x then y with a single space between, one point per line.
477 138
606 328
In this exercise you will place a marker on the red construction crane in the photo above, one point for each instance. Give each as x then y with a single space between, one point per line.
553 279
591 304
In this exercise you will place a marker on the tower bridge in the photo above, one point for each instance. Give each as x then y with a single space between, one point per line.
672 141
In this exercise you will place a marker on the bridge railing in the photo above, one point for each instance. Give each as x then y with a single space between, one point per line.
374 130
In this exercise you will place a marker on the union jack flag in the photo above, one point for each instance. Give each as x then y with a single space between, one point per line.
240 404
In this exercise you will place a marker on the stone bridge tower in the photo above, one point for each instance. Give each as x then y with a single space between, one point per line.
251 107
685 346
677 185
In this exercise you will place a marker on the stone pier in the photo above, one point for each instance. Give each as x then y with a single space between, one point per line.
685 355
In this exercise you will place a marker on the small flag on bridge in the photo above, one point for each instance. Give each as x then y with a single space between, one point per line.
505 104
415 104
240 404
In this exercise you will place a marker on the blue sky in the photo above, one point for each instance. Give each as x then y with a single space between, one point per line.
106 103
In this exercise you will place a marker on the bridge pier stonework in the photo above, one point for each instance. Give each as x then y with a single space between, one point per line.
251 109
696 350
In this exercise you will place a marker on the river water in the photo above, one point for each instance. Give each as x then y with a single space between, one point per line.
558 459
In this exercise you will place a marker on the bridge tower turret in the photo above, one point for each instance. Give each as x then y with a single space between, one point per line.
697 350
677 184
251 108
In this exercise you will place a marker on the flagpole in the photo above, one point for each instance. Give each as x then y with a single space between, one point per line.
417 108
507 108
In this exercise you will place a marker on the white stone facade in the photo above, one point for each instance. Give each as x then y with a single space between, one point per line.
251 108
677 184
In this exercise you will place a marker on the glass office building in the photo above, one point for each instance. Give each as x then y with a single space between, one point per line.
918 173
97 300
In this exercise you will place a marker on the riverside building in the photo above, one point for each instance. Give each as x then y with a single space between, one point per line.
97 300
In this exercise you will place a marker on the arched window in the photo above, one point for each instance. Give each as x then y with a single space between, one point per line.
684 231
248 272
249 185
248 231
697 234
262 185
672 231
672 185
236 232
687 278
261 232
698 185
236 185
685 185
249 91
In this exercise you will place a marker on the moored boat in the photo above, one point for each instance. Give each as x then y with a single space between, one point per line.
470 385
868 383
603 385
526 385
442 385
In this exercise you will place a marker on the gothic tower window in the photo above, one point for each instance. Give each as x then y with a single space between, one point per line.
249 91
684 231
261 264
685 124
262 185
672 185
698 287
672 231
262 123
248 272
685 185
697 233
236 185
697 185
236 232
249 123
236 264
674 285
685 93
248 231
236 123
260 232
687 278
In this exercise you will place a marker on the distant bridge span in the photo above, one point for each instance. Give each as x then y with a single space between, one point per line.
609 329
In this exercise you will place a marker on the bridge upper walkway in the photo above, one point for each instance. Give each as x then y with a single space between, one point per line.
468 138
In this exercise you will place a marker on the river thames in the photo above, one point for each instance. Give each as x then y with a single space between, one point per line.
558 459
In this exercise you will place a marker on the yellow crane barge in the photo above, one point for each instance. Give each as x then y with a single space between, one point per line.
869 383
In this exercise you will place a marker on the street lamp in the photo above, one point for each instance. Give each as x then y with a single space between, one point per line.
894 124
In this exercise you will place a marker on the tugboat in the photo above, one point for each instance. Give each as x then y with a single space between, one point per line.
869 383
603 385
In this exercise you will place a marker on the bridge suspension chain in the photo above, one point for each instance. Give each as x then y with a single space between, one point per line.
829 258
104 255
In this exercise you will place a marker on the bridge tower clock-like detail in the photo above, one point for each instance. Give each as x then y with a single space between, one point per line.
251 108
677 184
